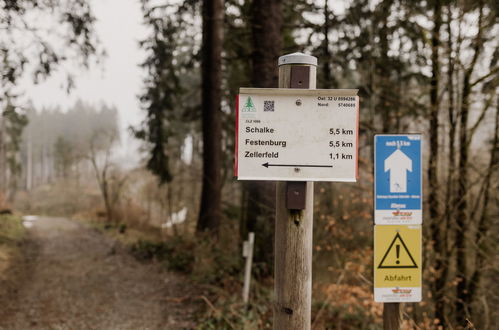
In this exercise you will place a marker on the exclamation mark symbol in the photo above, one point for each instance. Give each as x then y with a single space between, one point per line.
397 247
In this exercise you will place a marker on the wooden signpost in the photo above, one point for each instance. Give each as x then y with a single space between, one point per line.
294 222
296 135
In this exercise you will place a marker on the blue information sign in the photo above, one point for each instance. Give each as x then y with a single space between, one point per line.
398 179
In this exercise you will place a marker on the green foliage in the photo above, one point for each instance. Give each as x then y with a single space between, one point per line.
343 316
41 51
205 261
11 229
122 228
168 64
146 250
63 156
176 253
13 122
215 263
225 309
295 23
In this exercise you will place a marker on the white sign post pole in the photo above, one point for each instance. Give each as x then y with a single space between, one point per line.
248 253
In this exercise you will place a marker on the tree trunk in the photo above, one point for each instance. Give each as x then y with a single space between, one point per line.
441 280
3 158
449 201
439 246
462 292
266 23
385 106
462 210
482 243
29 165
210 209
107 203
328 80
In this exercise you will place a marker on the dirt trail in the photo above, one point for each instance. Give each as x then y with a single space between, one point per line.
74 277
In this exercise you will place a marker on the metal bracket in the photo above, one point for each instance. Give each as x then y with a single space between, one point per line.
296 192
300 77
296 195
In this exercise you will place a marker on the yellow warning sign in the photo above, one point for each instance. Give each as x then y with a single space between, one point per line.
397 263
397 255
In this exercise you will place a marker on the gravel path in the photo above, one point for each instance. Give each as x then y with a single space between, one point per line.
74 277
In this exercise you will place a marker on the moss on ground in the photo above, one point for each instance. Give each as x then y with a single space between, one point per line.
11 234
11 228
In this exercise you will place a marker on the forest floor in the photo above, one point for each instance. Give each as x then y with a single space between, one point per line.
72 276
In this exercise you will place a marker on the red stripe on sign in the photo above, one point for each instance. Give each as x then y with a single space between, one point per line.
237 136
357 140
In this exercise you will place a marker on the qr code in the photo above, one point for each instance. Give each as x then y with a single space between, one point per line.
268 105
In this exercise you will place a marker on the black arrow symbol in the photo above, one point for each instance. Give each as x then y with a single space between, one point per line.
267 165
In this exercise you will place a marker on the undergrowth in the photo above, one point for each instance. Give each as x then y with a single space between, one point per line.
11 235
176 253
11 229
216 267
227 311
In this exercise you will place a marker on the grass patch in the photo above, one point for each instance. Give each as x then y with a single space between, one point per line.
11 229
11 234
123 233
146 244
176 253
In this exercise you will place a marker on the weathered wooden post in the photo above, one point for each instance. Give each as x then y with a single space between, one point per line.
392 316
294 221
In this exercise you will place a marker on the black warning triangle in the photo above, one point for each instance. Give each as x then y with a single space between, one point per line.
412 264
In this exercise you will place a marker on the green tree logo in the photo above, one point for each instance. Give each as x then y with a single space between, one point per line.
249 106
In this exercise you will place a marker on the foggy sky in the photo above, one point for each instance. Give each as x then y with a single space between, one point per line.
116 81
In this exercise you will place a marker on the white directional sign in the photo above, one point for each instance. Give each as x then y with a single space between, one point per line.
398 179
297 135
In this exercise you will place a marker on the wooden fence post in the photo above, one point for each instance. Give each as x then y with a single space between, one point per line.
294 221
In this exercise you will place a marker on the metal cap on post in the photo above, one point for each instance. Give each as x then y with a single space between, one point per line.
297 58
297 70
